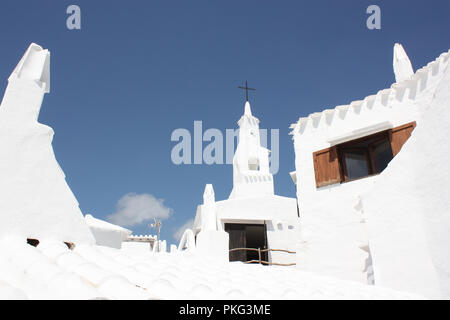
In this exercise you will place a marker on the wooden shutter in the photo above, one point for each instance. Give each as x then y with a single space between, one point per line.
398 136
326 167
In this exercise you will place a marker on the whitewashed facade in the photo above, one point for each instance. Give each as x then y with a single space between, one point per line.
252 200
366 229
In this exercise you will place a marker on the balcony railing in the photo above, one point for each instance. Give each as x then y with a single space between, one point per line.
260 261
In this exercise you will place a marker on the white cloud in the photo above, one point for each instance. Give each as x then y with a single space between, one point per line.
133 209
179 232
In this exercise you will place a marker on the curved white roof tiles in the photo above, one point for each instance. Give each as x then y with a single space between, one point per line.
53 271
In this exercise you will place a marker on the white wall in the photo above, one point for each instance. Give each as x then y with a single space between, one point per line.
283 234
35 201
332 229
408 209
273 211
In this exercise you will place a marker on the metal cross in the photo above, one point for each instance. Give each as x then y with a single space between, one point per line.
246 88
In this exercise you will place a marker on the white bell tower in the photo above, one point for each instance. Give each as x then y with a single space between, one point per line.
251 174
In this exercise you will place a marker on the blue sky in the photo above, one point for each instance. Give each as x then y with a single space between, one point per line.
137 70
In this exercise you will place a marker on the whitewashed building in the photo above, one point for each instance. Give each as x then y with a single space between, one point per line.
107 234
372 184
253 216
48 251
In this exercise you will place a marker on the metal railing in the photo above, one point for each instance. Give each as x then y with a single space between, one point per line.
260 261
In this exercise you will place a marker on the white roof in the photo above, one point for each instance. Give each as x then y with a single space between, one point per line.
52 271
100 224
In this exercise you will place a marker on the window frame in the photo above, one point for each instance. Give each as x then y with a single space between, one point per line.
342 148
330 167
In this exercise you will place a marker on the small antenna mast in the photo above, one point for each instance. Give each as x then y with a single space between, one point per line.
157 224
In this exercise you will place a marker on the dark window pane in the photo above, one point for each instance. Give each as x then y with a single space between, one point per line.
356 163
382 155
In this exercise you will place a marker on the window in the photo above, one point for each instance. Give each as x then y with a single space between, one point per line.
361 157
356 163
364 157
382 155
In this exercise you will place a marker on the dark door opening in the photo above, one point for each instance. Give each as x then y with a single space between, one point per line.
247 236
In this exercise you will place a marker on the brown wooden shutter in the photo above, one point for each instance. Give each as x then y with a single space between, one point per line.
399 135
326 167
